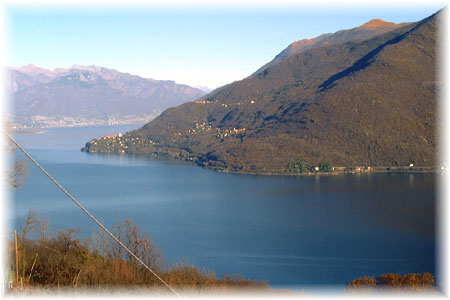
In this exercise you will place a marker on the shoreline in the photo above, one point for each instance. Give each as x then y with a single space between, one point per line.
324 173
356 170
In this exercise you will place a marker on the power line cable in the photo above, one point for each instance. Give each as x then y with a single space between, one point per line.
89 214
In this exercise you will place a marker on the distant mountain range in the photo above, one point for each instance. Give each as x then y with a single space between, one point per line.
365 96
204 88
89 95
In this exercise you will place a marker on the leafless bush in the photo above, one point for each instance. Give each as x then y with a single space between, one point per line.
64 261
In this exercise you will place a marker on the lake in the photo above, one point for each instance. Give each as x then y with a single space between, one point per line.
295 232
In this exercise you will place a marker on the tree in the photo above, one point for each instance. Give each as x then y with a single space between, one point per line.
30 225
16 173
325 167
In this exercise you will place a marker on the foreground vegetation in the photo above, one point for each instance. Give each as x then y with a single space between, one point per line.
62 262
394 282
65 262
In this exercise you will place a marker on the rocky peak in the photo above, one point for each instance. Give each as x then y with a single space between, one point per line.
32 69
375 23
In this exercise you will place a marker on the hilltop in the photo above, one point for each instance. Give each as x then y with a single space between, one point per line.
363 32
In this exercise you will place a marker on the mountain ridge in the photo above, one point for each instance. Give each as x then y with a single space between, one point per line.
90 95
375 23
365 31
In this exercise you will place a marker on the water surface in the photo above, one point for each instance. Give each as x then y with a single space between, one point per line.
290 231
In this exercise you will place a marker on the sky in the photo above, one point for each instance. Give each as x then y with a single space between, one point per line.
191 43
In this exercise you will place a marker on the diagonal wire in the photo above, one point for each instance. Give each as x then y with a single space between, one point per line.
89 214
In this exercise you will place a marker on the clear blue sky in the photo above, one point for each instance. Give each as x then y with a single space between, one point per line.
191 44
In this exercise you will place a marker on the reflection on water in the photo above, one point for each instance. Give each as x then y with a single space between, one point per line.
291 231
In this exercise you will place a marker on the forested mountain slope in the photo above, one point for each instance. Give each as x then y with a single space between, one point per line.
370 102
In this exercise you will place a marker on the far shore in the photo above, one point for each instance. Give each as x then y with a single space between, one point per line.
28 131
37 130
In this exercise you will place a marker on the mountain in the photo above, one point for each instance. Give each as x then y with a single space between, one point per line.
21 78
363 32
87 95
204 88
365 102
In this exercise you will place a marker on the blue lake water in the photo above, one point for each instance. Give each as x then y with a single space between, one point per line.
291 231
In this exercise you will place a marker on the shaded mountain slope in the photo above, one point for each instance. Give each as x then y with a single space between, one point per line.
363 32
370 102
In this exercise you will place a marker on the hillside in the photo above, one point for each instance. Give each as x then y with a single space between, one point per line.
369 102
363 32
90 95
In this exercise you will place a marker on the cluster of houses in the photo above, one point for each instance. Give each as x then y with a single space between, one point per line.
221 133
205 101
237 130
362 169
106 137
228 132
216 100
198 128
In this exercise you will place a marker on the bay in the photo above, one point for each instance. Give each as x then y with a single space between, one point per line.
294 232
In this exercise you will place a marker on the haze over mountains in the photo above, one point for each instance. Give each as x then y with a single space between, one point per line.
360 102
89 95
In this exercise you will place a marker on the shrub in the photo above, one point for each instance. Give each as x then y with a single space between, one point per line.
392 281
62 260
